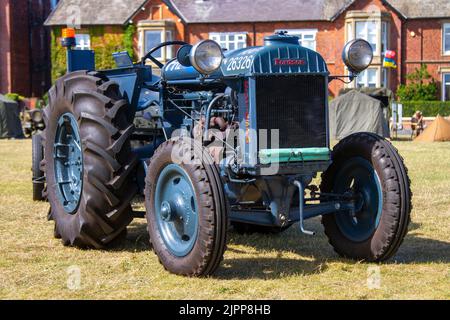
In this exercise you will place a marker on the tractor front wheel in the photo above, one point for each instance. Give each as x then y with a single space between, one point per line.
186 208
370 168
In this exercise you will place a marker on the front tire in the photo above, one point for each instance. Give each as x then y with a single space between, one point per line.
186 208
368 166
88 161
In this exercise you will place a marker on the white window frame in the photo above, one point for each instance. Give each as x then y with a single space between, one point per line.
378 36
444 89
365 73
83 41
301 33
240 38
166 35
445 32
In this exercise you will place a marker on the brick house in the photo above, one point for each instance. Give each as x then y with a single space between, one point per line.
24 50
417 30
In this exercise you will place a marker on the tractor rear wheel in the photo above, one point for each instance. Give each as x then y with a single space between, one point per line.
88 160
186 208
38 174
370 168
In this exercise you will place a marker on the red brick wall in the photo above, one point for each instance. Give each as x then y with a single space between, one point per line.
157 10
5 47
24 70
20 50
423 44
330 37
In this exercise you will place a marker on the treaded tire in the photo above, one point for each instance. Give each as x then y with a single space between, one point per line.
38 174
396 204
104 209
245 228
207 252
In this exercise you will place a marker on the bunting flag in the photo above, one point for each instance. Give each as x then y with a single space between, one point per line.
389 60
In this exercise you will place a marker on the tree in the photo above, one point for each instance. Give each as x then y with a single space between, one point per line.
421 86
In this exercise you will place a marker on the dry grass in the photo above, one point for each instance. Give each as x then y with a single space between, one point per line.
33 265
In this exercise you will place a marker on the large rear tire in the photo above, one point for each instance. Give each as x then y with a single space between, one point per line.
186 208
88 161
370 167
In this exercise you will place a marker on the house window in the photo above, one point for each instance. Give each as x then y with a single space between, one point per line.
368 30
83 42
307 37
368 78
151 34
152 38
230 41
446 87
446 38
373 27
384 37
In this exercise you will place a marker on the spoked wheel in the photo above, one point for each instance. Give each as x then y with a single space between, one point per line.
88 160
368 168
186 209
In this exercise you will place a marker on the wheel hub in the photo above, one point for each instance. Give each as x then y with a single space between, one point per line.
68 163
176 210
358 177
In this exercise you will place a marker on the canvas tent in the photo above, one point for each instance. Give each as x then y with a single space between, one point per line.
10 125
357 112
439 130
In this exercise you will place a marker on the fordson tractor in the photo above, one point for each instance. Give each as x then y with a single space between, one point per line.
217 139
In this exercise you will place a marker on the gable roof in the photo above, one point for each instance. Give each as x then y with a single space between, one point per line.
94 12
229 11
419 9
119 12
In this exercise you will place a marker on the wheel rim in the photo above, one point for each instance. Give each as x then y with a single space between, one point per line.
176 210
359 178
68 159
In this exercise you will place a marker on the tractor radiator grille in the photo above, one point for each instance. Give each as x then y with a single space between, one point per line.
295 105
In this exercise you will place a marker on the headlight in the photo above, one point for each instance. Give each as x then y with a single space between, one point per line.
206 56
357 55
36 116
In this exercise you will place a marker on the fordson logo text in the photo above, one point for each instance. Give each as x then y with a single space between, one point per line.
289 62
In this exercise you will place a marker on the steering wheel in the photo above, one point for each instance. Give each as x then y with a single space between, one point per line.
154 49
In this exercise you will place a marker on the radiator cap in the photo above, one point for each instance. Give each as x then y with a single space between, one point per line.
280 37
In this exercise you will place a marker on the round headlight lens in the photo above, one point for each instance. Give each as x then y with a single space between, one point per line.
206 56
37 116
357 55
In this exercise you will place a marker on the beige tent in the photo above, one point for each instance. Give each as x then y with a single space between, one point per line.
439 130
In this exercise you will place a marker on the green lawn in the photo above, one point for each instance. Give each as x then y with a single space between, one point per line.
34 265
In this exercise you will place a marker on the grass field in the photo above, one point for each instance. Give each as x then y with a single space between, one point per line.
33 265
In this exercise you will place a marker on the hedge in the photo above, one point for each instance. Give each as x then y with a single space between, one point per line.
428 108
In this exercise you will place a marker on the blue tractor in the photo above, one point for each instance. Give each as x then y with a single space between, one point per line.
217 139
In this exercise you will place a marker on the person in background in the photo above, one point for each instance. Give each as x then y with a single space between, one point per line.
417 124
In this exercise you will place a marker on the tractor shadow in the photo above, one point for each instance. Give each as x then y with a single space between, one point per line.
257 256
136 240
298 254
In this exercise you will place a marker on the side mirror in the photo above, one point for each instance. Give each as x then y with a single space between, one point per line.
183 55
